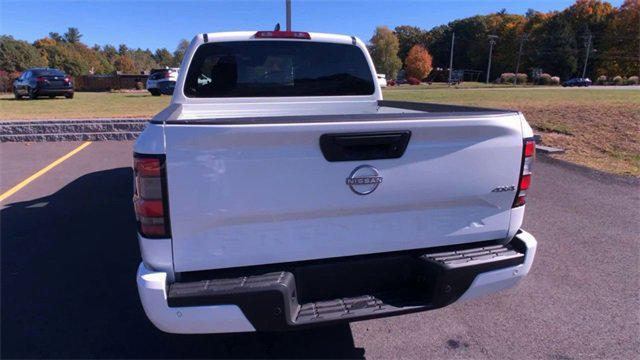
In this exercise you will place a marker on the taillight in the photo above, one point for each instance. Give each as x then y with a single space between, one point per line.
149 196
528 153
282 35
67 79
41 79
167 74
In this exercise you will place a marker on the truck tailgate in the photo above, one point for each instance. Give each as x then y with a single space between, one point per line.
263 192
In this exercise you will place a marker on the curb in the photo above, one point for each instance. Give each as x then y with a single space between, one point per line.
549 150
591 173
71 130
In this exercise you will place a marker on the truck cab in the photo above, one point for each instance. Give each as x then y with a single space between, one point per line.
279 191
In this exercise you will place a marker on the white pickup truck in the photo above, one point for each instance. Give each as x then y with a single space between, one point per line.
279 191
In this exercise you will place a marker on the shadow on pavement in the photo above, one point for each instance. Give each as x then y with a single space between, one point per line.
68 286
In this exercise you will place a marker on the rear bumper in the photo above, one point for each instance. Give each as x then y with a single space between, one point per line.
273 301
54 91
162 85
152 287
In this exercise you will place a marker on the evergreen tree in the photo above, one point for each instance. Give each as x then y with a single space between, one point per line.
72 36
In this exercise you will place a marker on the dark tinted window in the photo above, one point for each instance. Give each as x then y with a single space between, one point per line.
278 68
47 72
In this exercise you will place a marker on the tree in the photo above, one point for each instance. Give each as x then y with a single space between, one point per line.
418 62
384 52
619 50
440 45
72 35
74 59
110 52
178 55
56 36
408 36
124 64
18 55
163 57
471 44
143 60
554 47
123 49
45 41
592 17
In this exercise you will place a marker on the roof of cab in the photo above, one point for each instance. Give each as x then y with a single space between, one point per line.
249 35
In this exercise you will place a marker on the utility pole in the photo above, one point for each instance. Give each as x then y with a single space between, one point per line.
453 38
288 15
524 38
586 58
492 41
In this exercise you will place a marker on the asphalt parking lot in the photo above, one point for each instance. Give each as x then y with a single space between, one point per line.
69 256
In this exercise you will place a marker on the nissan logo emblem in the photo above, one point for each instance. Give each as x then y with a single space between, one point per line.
364 180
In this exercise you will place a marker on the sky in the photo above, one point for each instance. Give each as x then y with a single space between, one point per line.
162 23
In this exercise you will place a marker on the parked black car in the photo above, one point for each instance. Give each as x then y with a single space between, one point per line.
577 82
43 82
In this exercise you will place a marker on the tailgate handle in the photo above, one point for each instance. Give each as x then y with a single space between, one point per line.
364 146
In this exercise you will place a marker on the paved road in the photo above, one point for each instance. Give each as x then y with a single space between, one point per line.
69 256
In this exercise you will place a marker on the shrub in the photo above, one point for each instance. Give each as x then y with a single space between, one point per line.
632 80
139 85
555 80
507 77
544 79
618 80
391 83
522 78
6 80
602 80
413 81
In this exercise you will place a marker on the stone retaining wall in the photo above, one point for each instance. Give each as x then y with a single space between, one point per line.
71 130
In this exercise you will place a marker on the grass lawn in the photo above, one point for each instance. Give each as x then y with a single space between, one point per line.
599 128
83 105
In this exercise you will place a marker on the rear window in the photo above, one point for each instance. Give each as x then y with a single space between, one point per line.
278 68
47 72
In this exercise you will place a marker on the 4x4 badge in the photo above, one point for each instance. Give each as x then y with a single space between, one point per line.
504 188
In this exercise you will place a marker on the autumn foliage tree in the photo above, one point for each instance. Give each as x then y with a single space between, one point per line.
384 52
619 53
408 36
418 62
124 64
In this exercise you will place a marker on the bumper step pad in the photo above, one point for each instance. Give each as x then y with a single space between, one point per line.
223 287
470 257
270 300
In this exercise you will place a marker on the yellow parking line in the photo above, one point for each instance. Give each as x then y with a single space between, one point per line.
42 171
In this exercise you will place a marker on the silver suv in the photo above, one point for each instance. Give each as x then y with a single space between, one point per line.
162 81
